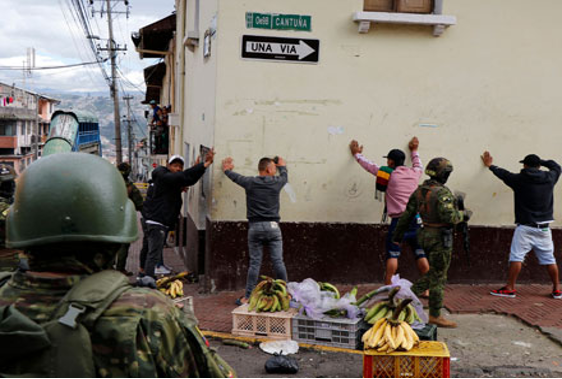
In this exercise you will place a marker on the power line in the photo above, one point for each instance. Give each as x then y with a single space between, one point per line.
10 68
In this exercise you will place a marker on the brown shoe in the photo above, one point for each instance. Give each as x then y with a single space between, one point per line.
442 322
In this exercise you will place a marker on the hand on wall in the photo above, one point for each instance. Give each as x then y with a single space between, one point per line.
414 144
355 148
209 157
227 164
487 159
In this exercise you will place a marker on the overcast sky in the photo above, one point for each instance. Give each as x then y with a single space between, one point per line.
50 27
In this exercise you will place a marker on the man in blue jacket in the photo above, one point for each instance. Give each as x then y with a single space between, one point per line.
161 209
534 203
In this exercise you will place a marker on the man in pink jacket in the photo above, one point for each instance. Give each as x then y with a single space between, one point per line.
402 183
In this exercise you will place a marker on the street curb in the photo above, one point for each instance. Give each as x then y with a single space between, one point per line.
554 334
253 340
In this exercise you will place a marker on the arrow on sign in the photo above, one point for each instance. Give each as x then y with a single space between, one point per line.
302 50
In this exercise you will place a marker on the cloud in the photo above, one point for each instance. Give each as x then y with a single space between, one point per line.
51 29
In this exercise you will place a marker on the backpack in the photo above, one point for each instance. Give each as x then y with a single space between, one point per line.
381 184
62 347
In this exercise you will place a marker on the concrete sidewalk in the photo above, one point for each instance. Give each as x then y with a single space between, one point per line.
533 304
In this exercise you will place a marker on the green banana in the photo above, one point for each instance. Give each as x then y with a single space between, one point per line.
269 305
330 287
374 310
354 291
380 314
276 304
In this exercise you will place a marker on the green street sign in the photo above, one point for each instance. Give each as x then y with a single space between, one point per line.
275 21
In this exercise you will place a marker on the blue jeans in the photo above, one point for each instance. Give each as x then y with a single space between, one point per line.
393 251
262 234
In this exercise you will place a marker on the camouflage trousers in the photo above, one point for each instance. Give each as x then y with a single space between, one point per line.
439 258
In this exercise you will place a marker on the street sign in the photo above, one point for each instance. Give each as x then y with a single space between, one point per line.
281 49
277 21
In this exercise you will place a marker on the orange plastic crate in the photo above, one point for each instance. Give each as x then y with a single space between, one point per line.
276 325
430 359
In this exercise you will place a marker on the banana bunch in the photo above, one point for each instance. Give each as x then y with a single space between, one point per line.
164 282
390 334
174 289
340 312
330 288
386 309
270 295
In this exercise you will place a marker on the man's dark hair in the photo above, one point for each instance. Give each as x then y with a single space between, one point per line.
264 163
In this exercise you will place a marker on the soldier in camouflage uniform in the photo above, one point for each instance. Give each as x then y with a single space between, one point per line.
437 208
9 258
68 315
136 197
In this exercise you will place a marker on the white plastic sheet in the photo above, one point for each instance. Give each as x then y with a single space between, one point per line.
283 347
404 293
314 302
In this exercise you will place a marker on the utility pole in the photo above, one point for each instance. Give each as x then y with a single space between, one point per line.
129 131
113 88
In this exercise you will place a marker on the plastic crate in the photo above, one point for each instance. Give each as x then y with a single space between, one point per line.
276 325
428 333
335 332
430 359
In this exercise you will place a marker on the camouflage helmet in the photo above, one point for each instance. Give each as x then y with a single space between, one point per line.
85 201
7 173
439 168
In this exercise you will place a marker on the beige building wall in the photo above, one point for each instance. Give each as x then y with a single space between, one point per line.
199 101
491 82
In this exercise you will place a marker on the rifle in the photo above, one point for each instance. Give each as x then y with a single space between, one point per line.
462 227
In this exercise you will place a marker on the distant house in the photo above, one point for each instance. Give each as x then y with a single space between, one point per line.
24 125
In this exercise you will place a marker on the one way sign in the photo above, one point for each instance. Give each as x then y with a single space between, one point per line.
281 49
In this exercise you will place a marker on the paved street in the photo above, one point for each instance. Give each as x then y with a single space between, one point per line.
483 346
496 337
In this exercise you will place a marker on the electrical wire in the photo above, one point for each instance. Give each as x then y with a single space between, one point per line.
10 68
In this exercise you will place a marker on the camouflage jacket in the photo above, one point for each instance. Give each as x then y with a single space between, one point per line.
435 204
134 195
141 334
4 207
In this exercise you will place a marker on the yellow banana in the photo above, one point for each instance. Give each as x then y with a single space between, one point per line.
383 347
378 323
399 335
379 333
367 335
388 336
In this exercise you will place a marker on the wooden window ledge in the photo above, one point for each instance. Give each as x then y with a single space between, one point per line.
439 21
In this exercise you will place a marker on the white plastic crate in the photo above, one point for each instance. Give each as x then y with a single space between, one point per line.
336 332
276 325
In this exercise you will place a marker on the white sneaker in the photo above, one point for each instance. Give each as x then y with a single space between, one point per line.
162 270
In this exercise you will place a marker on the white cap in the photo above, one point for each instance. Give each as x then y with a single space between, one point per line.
176 158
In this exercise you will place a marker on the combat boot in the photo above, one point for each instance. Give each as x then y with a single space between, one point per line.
442 322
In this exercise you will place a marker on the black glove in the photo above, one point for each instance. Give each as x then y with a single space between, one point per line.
467 215
146 281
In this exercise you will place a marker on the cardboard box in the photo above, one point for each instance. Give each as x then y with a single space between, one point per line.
414 6
378 6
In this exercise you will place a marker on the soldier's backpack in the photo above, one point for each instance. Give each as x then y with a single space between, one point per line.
61 347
